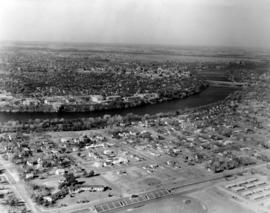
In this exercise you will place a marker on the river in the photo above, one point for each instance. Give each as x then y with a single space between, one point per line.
209 95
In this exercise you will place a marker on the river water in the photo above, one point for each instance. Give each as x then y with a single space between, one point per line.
209 95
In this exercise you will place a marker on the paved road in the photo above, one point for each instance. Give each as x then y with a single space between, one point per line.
18 186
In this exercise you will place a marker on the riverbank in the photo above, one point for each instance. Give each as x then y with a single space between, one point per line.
208 96
58 122
133 101
92 103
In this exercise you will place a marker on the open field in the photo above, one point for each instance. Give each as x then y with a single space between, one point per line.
218 201
177 204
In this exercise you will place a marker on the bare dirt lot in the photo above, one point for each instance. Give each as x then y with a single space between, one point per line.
218 202
177 204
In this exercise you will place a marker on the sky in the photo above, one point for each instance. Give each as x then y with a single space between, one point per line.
175 22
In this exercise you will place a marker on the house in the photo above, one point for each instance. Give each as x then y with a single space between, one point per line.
109 144
54 151
108 152
64 140
97 164
100 138
29 176
30 163
96 98
48 199
75 149
120 160
91 155
59 172
76 140
107 163
93 188
137 158
227 142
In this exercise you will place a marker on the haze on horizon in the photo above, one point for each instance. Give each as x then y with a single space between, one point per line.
175 22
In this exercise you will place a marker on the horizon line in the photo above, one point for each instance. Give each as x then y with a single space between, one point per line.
136 44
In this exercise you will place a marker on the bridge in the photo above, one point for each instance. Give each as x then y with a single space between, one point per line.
227 84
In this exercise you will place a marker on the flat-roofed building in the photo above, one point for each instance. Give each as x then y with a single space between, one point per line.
256 197
267 187
237 188
241 182
247 193
230 185
260 183
250 185
266 193
257 190
250 180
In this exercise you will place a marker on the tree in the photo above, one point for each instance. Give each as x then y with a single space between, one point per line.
89 174
70 180
24 210
12 200
38 198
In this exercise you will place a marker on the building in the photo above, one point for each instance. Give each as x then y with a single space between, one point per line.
108 152
64 140
114 98
29 101
256 196
260 183
249 185
90 188
96 98
29 176
59 172
133 99
237 188
93 188
120 160
48 199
